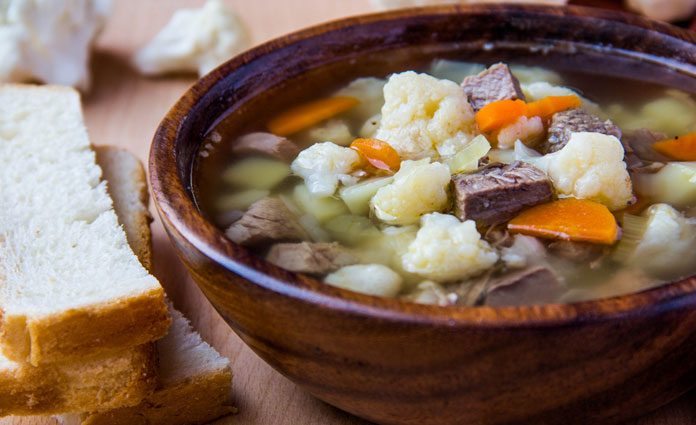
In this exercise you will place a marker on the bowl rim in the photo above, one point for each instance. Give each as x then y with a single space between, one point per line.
180 214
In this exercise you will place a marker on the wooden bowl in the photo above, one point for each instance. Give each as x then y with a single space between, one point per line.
399 363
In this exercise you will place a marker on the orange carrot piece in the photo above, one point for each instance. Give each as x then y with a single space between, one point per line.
378 154
568 219
549 105
304 116
499 114
681 148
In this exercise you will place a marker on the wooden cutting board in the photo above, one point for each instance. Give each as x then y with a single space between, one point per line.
124 109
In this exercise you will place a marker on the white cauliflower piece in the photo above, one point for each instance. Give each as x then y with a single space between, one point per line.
528 130
419 187
590 166
668 246
370 279
336 131
423 116
324 165
447 250
194 40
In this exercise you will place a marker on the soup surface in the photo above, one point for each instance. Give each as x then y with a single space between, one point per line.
461 184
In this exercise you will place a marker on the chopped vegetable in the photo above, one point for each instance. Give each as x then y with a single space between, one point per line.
504 156
467 159
568 219
256 173
323 208
240 200
681 148
632 230
378 154
309 114
499 114
357 197
352 230
370 279
546 107
674 184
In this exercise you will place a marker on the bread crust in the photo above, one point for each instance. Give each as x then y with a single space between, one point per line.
196 401
74 334
98 383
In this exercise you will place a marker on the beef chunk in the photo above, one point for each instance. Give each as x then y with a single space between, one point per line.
267 220
533 285
563 124
495 83
266 144
312 258
580 252
497 192
640 155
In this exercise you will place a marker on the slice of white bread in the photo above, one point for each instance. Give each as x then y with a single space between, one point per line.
194 380
70 287
120 379
195 385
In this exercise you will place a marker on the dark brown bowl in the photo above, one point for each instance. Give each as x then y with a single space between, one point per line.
398 363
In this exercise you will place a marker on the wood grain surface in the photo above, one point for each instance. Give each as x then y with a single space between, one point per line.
124 109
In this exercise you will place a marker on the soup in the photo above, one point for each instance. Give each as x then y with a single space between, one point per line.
462 184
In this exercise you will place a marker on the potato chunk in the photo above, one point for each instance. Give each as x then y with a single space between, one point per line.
370 279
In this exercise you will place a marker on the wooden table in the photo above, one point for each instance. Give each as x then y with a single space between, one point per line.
124 109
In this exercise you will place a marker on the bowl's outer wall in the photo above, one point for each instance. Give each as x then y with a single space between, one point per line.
393 363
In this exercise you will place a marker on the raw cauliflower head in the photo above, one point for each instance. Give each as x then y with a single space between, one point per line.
419 187
324 165
668 246
423 116
447 250
591 166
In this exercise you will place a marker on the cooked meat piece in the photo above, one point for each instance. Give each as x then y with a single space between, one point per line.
580 252
267 220
531 286
495 83
266 144
309 257
497 192
640 155
563 124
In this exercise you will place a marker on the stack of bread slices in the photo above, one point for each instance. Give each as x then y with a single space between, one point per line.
86 331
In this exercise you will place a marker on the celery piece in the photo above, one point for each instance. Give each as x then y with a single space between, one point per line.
357 197
240 200
467 159
351 230
633 228
322 208
256 173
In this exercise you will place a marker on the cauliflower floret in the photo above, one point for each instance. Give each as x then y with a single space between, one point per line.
324 165
423 116
419 187
337 131
590 166
447 249
528 130
668 246
371 279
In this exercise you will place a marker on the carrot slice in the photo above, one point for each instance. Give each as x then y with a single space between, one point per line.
568 219
378 154
499 114
549 105
309 114
681 148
